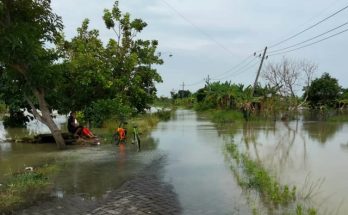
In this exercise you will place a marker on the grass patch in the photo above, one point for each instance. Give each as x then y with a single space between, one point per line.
251 175
24 188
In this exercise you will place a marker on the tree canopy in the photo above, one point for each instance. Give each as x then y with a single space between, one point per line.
323 91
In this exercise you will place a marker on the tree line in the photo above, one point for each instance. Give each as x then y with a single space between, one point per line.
280 93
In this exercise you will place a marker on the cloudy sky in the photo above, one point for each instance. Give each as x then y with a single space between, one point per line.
217 38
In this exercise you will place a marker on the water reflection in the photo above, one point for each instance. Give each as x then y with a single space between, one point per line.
301 153
322 132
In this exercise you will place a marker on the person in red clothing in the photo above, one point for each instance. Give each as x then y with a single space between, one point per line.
76 129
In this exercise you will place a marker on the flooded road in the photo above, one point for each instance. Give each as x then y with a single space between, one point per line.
312 155
196 166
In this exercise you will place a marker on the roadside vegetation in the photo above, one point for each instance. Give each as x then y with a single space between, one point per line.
144 122
276 100
26 187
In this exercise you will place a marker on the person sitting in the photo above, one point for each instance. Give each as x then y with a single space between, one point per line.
76 129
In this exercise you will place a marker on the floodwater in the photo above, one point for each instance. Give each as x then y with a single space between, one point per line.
310 154
196 166
86 171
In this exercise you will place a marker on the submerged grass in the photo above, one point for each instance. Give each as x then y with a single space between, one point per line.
251 175
24 188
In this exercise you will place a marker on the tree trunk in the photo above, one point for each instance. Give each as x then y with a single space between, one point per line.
56 132
46 118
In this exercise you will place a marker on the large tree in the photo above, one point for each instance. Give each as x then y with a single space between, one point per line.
28 69
132 65
117 78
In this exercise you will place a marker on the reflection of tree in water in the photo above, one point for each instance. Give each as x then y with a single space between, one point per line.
251 132
322 131
281 138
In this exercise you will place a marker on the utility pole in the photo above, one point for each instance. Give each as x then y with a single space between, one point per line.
208 80
258 72
183 89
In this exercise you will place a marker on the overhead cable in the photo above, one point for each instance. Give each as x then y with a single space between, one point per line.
340 26
310 44
238 72
235 66
310 27
197 28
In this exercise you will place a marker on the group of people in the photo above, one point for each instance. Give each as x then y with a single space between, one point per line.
80 131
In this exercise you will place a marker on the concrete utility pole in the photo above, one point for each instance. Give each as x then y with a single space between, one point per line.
258 72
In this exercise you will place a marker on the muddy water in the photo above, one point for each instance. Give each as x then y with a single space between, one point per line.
311 155
196 167
304 153
85 171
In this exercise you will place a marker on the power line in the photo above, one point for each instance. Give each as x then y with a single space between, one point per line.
341 32
197 28
310 27
235 67
235 71
239 72
340 26
196 83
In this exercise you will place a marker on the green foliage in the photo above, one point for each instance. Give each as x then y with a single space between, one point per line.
82 74
16 119
26 62
101 110
3 108
181 94
323 91
116 79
